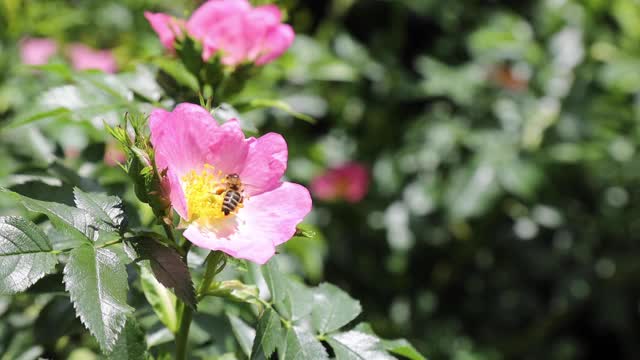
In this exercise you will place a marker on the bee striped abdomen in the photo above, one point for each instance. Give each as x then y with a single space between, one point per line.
232 199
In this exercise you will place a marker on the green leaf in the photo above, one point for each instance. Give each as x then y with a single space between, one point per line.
190 56
73 222
131 344
269 333
225 112
143 82
234 290
108 210
160 298
25 254
473 190
403 348
399 346
277 286
356 345
35 116
275 104
301 299
292 299
96 280
310 247
332 308
56 320
243 333
300 344
178 72
169 268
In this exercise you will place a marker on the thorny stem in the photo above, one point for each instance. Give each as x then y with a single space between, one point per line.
185 313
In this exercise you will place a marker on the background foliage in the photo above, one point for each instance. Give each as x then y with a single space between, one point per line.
501 138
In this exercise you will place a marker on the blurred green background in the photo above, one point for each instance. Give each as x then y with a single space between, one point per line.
501 139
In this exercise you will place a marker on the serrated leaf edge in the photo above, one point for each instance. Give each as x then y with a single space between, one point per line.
118 329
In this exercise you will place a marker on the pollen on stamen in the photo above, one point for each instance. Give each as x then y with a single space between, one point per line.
204 202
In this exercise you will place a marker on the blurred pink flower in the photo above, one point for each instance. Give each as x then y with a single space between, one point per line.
239 31
37 51
349 181
84 58
198 154
167 27
113 155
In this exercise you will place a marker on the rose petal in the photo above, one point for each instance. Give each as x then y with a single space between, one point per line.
265 221
358 182
276 42
258 23
229 37
212 13
227 148
325 187
266 163
243 248
85 58
270 12
181 137
37 51
349 181
176 193
240 32
167 27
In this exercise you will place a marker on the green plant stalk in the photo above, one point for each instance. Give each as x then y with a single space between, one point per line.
186 313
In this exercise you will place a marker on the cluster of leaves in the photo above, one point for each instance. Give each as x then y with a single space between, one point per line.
92 239
502 140
90 236
503 151
83 263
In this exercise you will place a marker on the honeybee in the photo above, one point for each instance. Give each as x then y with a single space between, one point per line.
233 190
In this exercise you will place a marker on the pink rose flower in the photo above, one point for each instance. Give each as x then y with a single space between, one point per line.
167 27
349 181
37 51
84 58
198 154
239 31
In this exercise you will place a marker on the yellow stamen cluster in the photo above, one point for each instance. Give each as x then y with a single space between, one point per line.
204 201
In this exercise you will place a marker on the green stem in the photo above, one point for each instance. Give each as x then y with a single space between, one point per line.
167 229
213 260
113 242
186 313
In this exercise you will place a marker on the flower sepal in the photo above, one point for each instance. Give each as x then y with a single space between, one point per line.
140 164
215 79
188 51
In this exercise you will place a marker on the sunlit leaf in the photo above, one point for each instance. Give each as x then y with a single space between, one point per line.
243 333
108 210
269 333
96 280
160 298
292 299
332 308
300 344
356 345
71 221
25 254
